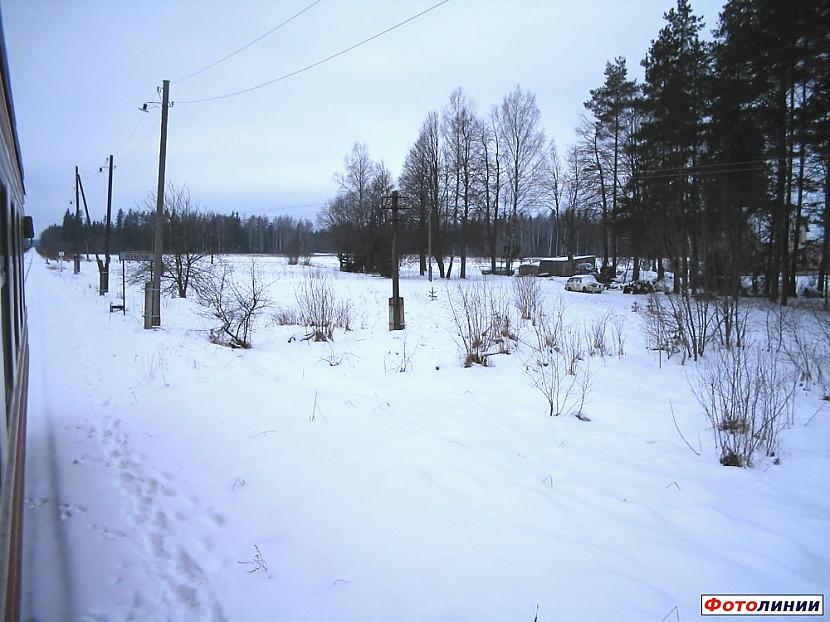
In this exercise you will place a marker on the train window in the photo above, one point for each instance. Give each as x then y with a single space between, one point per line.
6 296
21 240
17 261
4 366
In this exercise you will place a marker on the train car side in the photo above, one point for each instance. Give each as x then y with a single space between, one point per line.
14 363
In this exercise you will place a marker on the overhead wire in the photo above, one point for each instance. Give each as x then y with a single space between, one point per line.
247 45
142 141
727 171
130 135
703 166
315 64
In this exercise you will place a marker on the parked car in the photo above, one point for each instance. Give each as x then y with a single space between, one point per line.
585 268
586 283
639 287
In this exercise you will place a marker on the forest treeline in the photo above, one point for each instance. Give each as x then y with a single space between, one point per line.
715 166
188 228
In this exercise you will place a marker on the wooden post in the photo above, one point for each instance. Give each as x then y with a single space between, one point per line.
396 302
153 317
76 259
104 268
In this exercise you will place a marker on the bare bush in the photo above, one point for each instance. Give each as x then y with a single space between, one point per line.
595 337
550 320
806 344
318 308
556 373
778 320
481 318
505 336
691 319
822 319
659 327
527 296
618 334
343 315
572 349
731 318
804 338
399 360
748 399
286 317
236 304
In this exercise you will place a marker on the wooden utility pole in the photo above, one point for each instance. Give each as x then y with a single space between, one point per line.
76 258
152 316
396 319
104 269
88 219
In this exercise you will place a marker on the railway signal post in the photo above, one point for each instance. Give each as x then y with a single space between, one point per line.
396 314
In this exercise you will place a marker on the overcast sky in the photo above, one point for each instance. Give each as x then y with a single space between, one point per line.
80 70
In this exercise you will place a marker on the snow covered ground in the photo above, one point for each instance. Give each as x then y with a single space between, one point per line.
173 479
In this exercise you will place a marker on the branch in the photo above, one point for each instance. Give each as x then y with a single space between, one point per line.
676 427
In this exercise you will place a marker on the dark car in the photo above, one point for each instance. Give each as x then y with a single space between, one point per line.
639 287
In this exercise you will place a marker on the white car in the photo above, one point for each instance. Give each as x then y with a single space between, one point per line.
585 283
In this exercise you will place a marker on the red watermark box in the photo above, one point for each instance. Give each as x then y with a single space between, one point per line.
762 604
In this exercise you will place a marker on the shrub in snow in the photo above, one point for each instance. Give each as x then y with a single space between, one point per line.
805 340
235 303
679 323
659 327
550 321
320 310
618 334
286 317
505 336
823 352
748 397
731 317
692 316
559 372
527 296
481 318
595 338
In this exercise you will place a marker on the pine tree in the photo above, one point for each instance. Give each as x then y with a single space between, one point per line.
611 105
676 68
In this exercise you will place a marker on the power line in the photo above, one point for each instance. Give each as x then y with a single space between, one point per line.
316 64
703 166
141 142
130 135
648 177
247 45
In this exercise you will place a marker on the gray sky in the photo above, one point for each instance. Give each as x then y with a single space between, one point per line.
80 69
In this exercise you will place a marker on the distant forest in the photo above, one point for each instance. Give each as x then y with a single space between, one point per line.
187 228
715 167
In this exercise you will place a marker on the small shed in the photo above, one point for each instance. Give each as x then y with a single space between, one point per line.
562 266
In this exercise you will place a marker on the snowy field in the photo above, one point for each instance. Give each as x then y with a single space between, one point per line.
173 479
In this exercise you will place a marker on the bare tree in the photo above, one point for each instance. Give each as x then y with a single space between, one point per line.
576 196
523 141
234 303
429 145
490 181
459 131
554 181
183 262
186 256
